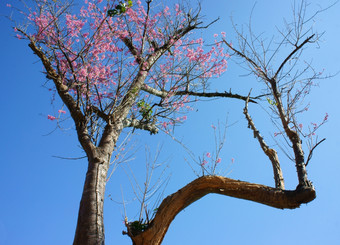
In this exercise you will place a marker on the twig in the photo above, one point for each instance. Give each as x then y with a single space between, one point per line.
311 151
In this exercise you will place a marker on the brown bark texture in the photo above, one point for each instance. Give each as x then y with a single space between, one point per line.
90 225
173 204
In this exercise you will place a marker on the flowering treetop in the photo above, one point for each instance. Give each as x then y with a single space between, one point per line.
100 51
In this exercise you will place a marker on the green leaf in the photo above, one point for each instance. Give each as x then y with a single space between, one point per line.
271 102
120 8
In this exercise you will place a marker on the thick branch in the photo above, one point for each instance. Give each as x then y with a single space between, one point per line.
128 122
99 113
137 84
132 48
202 186
293 136
163 94
272 83
62 89
271 153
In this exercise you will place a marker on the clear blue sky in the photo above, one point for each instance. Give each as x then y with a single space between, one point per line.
40 194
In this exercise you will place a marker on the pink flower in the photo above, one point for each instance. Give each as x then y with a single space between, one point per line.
215 35
232 160
8 5
213 126
218 160
208 154
51 117
62 111
326 117
300 125
178 11
204 163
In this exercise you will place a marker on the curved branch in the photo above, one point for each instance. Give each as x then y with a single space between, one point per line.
311 151
202 186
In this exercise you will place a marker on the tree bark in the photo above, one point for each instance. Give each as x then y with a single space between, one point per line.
90 225
173 204
271 153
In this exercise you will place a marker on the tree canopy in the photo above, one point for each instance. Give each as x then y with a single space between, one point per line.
165 71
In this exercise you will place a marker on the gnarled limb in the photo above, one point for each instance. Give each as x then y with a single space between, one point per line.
271 153
175 203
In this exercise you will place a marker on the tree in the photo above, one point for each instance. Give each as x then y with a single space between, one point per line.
126 65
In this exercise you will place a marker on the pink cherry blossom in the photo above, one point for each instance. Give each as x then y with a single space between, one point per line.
98 67
276 134
326 117
51 117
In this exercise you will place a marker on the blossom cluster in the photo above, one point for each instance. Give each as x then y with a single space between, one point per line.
89 51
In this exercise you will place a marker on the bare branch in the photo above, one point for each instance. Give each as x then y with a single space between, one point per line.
250 61
70 158
311 151
164 94
291 54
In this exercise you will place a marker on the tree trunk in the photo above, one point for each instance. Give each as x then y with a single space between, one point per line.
90 225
